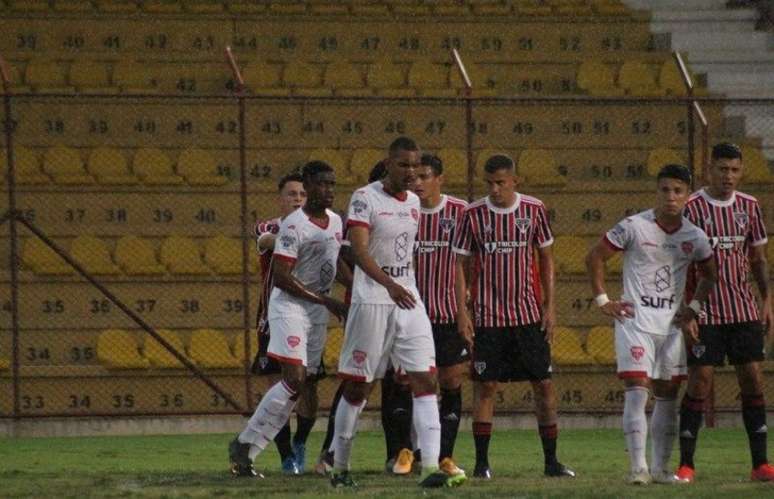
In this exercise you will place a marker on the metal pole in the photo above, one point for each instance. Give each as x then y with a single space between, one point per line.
468 88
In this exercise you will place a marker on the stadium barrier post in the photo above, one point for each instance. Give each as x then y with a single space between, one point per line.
468 87
11 215
239 93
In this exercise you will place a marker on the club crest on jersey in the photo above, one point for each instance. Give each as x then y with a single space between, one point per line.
287 240
480 367
446 224
359 357
490 247
687 247
741 219
293 341
338 237
522 224
637 353
359 206
698 350
414 214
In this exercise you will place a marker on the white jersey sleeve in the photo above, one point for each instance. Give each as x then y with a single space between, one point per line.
288 240
621 235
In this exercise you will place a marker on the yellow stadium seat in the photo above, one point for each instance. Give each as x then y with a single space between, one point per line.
570 254
4 364
137 257
596 78
637 78
332 349
567 350
160 357
600 344
26 166
305 79
336 159
264 79
573 8
117 6
154 167
161 6
287 8
110 167
15 80
670 80
47 77
181 255
538 167
363 161
73 6
430 80
41 259
661 156
91 77
610 7
455 166
134 78
209 349
483 85
238 343
199 167
28 5
65 166
250 7
117 349
756 168
388 80
224 255
346 80
483 155
94 255
533 8
203 6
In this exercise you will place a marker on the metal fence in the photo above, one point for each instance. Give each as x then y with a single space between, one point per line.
129 270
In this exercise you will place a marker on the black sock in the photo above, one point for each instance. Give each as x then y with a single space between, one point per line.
691 413
401 416
331 419
754 416
303 427
282 439
450 412
388 389
548 434
481 434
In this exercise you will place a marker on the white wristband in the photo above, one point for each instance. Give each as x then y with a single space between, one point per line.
601 300
695 306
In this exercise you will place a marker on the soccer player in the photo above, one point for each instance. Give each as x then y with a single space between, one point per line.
513 329
291 197
658 247
436 267
731 325
387 319
305 266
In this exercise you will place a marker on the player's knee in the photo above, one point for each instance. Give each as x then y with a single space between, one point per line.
355 392
486 389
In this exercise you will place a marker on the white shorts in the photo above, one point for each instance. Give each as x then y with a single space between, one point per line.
654 356
295 340
376 335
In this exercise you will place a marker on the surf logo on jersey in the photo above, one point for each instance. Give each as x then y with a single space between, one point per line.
359 206
287 240
446 224
637 353
293 341
741 219
698 350
687 247
662 279
401 246
359 357
657 301
522 224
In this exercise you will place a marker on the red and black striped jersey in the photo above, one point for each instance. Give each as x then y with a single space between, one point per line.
502 242
262 228
733 226
435 259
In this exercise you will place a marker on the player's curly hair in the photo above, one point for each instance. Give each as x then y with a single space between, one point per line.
313 168
434 162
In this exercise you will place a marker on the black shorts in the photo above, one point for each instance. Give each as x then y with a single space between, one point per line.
450 348
742 342
264 365
519 353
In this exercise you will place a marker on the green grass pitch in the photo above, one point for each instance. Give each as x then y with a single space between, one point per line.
196 466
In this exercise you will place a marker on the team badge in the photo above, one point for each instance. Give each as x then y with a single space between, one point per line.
446 224
359 206
741 219
287 240
338 237
637 353
480 367
263 362
293 341
687 247
359 357
415 214
698 350
522 224
490 247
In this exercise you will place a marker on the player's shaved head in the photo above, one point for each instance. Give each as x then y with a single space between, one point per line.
402 144
726 150
499 162
677 172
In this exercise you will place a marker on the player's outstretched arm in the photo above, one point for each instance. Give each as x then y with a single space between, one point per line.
343 271
760 272
547 280
359 237
464 324
284 279
686 317
595 266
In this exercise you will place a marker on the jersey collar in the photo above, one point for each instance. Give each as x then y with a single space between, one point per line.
504 211
432 211
718 202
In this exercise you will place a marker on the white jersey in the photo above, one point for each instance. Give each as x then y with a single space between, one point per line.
655 267
314 250
393 223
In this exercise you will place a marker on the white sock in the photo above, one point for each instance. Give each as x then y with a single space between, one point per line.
427 423
663 430
268 419
635 426
345 428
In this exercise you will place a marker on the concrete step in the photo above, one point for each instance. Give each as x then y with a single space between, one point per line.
740 84
722 56
717 41
687 5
